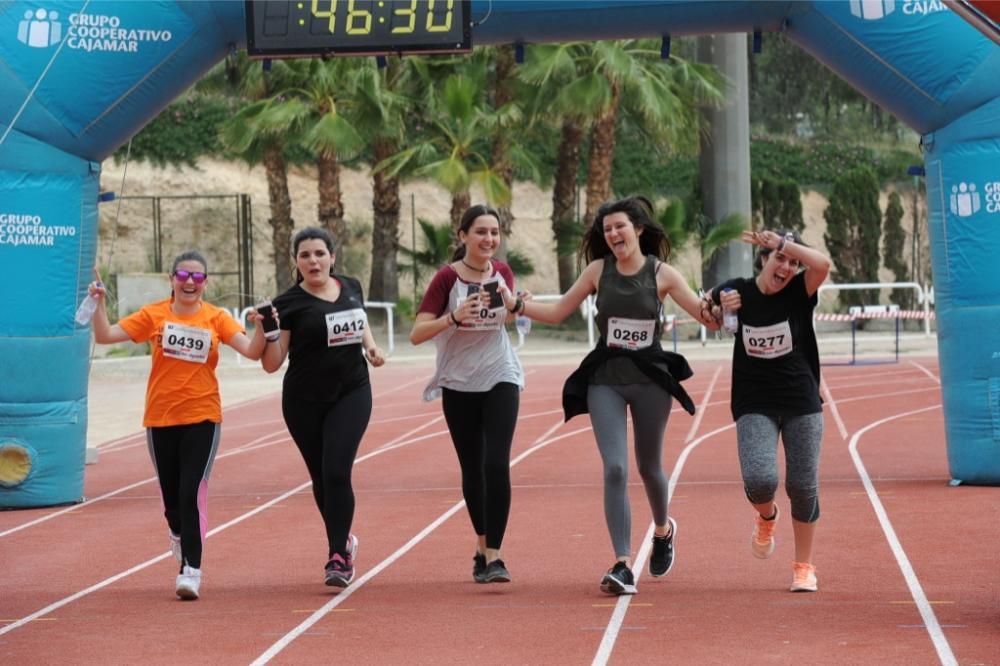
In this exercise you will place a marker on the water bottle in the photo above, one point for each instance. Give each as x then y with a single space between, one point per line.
85 312
730 321
523 324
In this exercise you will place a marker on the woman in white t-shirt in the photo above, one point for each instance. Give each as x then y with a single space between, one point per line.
478 376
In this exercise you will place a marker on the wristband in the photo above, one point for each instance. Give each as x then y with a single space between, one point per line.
455 321
781 245
518 304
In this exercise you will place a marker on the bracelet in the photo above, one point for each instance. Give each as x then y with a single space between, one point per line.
518 304
781 244
524 304
455 321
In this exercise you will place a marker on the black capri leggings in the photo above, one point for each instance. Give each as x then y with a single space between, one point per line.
328 435
482 430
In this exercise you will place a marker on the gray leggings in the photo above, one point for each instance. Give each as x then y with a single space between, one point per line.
757 436
650 407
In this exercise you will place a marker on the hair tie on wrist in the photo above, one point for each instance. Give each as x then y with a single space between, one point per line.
452 315
518 305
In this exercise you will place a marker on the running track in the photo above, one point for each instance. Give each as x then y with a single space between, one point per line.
907 565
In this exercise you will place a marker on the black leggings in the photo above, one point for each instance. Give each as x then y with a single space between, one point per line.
183 456
328 435
482 430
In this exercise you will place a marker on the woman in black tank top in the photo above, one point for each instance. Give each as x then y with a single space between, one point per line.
626 251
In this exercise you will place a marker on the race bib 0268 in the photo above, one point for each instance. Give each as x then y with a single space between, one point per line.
630 333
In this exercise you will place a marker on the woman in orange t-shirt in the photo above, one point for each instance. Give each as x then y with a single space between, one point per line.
183 413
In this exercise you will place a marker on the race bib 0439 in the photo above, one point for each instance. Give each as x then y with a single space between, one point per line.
186 343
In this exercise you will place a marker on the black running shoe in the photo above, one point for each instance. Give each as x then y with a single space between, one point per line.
662 557
496 572
479 568
619 580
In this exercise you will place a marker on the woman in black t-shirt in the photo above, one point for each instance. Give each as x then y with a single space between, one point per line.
326 397
775 388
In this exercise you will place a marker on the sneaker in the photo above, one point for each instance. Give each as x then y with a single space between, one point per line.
188 583
479 568
803 578
661 560
175 546
619 580
496 572
762 540
339 570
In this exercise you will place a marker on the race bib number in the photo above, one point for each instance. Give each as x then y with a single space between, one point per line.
486 320
186 343
630 333
346 327
767 341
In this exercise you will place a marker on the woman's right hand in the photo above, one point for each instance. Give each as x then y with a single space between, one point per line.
469 308
96 288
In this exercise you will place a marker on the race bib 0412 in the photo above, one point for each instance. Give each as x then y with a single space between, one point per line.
346 327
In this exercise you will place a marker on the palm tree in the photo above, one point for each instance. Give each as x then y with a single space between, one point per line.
383 99
255 143
587 86
662 96
313 106
451 150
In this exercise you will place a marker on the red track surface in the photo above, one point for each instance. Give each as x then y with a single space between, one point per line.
94 584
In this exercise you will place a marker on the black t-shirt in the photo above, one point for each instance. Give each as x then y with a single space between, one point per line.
775 357
317 371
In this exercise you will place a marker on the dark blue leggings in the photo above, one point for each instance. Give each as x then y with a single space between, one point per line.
482 431
328 435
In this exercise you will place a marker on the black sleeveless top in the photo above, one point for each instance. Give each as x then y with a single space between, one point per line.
632 297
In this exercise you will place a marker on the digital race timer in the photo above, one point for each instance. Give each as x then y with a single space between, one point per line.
302 28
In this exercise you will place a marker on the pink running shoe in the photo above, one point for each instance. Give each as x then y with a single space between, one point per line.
762 540
803 577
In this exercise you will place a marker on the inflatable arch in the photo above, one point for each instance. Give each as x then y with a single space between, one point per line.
79 78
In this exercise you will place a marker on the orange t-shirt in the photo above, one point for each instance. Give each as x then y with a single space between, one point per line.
182 386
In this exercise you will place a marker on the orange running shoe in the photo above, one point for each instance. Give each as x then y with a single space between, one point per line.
762 540
804 577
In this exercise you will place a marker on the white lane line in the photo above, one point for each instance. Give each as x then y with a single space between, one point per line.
927 372
621 607
328 607
394 444
945 655
832 404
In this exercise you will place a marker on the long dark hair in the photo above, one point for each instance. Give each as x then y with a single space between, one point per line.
189 255
312 233
762 252
468 217
639 209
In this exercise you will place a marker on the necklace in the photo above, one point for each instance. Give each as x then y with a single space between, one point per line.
478 270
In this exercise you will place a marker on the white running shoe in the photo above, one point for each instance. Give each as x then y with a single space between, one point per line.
175 546
188 583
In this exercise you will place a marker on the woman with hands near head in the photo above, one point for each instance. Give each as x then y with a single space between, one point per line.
775 388
326 397
183 414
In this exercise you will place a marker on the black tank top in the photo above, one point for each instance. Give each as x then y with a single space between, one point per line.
630 297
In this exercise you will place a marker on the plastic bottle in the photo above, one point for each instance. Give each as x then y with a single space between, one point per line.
523 324
85 312
730 321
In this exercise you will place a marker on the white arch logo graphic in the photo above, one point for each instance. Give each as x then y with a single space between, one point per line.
39 28
872 10
964 200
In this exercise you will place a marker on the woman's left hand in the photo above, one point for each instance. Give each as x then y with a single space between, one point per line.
766 239
375 356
